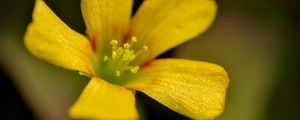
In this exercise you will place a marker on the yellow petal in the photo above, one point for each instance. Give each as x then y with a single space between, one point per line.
102 100
163 24
106 20
48 38
193 88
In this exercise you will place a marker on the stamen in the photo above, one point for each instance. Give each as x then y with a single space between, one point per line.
145 48
114 54
134 69
126 46
105 58
118 73
113 42
133 39
121 57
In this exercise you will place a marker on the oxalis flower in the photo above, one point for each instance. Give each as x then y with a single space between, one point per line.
118 55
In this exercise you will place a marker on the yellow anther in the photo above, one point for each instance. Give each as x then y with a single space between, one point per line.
114 54
118 73
114 43
105 58
145 48
126 46
134 69
133 39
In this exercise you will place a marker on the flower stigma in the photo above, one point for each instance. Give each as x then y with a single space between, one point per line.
117 67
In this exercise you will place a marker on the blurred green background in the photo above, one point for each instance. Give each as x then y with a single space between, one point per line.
257 42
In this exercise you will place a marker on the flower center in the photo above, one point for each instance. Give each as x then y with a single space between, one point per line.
118 67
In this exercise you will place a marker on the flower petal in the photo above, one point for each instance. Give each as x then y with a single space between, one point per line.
193 88
106 20
163 24
102 100
48 38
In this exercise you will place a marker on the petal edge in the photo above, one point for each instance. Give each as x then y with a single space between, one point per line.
193 88
102 100
50 39
164 24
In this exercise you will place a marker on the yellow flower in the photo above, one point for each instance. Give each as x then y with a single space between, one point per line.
118 55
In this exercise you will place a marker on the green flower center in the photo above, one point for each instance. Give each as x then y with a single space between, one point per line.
117 67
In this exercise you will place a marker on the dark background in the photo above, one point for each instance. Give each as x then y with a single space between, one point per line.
280 102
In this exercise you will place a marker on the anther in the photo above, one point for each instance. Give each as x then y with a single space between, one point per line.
105 58
118 73
145 48
134 69
113 42
126 46
133 39
114 54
